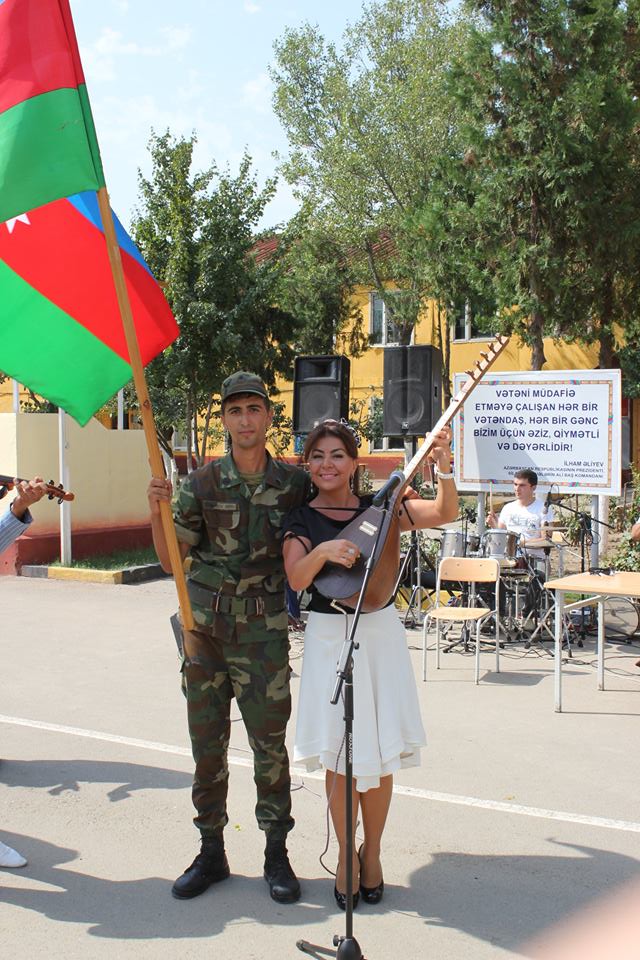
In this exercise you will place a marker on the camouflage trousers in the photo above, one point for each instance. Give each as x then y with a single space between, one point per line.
256 673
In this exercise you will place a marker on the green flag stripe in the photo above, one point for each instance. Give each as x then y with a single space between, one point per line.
47 350
48 150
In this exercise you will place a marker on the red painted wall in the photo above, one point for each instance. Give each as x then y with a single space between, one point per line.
45 547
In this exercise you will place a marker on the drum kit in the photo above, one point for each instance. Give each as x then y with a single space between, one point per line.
526 608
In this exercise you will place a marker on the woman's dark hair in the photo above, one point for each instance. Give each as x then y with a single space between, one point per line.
342 432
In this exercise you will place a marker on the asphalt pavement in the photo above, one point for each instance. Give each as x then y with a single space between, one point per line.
517 817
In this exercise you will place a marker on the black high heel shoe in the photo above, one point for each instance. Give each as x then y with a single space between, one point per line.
341 898
370 894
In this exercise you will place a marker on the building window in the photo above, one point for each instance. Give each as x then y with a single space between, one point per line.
465 323
383 330
378 441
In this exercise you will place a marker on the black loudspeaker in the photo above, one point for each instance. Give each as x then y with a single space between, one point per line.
412 390
320 391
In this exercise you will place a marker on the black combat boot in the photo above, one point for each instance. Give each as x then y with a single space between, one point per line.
283 883
210 866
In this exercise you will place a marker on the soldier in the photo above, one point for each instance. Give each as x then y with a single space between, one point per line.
228 516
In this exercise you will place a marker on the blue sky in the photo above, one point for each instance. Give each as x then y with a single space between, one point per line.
194 65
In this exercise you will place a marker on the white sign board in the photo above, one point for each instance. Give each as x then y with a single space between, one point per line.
564 424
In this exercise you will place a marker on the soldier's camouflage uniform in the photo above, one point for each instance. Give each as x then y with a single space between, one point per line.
240 649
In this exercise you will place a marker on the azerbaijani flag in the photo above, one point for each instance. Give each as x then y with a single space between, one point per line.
61 332
48 145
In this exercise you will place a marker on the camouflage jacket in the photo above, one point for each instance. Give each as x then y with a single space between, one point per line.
235 536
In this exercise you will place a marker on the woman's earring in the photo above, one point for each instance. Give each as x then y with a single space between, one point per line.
351 481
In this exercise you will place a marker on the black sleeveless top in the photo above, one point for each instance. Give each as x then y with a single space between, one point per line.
308 522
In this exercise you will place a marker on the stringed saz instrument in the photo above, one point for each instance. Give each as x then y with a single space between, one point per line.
344 583
54 491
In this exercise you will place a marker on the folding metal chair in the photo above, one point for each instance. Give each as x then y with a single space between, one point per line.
469 570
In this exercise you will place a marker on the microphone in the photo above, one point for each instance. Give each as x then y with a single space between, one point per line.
547 502
396 478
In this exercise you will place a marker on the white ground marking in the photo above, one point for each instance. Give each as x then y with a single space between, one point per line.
627 826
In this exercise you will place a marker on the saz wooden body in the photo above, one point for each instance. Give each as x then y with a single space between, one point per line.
344 584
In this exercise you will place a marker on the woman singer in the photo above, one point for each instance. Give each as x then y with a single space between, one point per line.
387 727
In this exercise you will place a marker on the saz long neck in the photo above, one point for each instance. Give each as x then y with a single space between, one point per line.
475 376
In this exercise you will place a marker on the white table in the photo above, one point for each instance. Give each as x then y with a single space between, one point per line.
598 587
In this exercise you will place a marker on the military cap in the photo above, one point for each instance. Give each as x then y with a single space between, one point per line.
243 382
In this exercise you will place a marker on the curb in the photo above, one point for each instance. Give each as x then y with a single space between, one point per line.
150 571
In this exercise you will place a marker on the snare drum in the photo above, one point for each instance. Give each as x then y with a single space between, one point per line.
452 544
501 544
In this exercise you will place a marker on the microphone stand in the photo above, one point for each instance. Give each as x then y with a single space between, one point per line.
414 560
347 946
466 516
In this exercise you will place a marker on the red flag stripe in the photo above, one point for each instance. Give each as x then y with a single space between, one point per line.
38 50
63 256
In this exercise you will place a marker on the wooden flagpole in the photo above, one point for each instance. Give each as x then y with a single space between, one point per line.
155 457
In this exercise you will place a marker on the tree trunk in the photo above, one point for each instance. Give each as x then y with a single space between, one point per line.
445 346
189 421
197 446
607 340
536 320
206 428
537 341
607 350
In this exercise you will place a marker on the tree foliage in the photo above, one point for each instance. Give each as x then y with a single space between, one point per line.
315 285
197 232
494 144
539 207
365 126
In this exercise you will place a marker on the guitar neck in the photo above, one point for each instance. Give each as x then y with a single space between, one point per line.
475 376
53 491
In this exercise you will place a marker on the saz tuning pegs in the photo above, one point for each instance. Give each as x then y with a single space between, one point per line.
56 492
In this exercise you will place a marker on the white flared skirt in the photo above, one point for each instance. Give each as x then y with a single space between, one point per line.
387 727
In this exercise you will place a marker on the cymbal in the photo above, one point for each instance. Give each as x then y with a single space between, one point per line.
553 529
537 543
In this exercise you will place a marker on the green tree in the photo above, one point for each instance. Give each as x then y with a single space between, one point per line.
365 127
539 207
197 232
167 225
316 282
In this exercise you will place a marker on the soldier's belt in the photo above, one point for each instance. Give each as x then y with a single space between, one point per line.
236 606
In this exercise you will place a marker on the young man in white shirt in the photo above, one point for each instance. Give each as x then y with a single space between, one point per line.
525 515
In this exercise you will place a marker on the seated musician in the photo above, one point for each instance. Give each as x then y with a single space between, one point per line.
388 731
526 514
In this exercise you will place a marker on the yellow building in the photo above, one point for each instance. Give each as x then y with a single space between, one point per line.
455 335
